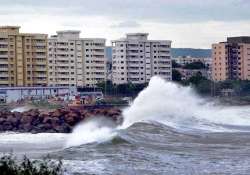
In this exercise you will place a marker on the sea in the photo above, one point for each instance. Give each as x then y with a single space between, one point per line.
167 130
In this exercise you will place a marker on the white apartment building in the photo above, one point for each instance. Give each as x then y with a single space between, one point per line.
136 59
183 60
75 61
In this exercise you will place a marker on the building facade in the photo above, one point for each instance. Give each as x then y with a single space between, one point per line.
23 58
188 73
183 60
135 59
231 59
75 61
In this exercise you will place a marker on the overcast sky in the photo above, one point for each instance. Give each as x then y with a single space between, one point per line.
188 23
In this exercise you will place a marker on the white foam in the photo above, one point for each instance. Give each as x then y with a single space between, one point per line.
167 102
90 131
13 138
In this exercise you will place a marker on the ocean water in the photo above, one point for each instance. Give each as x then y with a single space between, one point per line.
168 129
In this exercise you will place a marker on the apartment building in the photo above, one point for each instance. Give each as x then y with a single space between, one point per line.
23 58
136 59
183 60
231 59
75 61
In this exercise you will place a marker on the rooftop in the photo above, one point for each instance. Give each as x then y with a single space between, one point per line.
239 39
69 31
10 27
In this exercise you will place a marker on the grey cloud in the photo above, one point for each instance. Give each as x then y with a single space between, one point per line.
167 11
126 24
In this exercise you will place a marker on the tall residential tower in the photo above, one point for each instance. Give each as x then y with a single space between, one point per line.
136 59
23 58
231 59
75 61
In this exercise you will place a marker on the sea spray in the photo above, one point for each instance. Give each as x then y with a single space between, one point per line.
167 103
98 129
170 103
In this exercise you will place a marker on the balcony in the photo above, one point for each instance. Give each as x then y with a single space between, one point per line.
39 69
4 82
39 56
4 69
62 70
4 60
4 74
3 42
38 75
40 44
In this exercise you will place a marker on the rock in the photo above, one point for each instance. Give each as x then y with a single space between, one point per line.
13 120
7 126
26 119
47 120
61 120
26 127
70 120
114 112
2 120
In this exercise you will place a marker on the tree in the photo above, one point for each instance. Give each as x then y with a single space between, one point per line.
196 79
175 65
176 75
195 65
128 89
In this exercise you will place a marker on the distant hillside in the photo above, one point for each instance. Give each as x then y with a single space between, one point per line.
176 52
197 53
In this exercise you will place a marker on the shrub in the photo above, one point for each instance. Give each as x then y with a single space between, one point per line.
9 165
